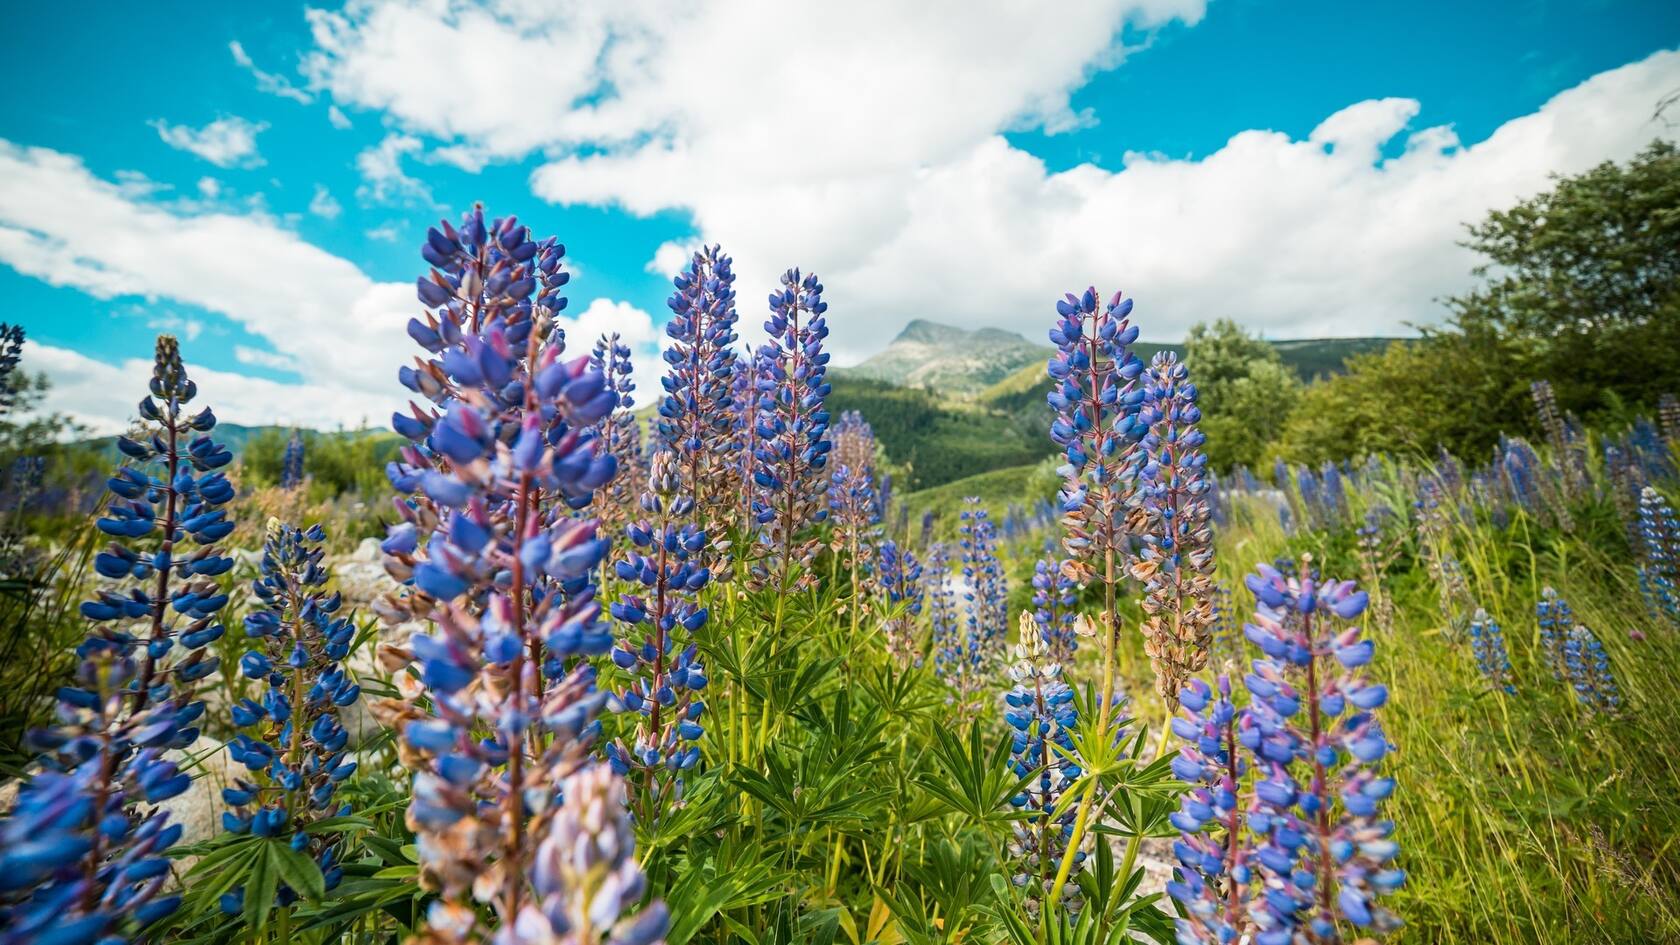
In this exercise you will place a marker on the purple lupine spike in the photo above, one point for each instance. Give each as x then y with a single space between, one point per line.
1659 534
1325 854
1487 644
943 617
791 430
899 577
658 650
1041 716
1055 602
492 554
1214 871
1093 375
1174 559
83 851
699 410
1587 670
1554 620
968 661
620 434
292 742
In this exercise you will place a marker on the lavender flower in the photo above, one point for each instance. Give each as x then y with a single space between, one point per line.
898 575
659 650
490 553
1055 602
1487 642
1322 862
1213 873
1555 621
792 431
83 851
292 742
704 386
985 595
1040 713
1174 559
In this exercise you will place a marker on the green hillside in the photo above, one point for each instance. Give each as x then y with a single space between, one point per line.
938 439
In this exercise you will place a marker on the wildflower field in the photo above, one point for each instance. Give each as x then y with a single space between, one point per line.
558 660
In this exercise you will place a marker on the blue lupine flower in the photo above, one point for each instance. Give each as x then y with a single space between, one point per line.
1660 540
291 463
82 852
1487 643
790 453
1587 670
620 435
495 558
1174 558
1055 606
943 617
1325 853
698 413
1040 712
985 617
658 649
1555 620
586 882
898 575
1213 872
294 747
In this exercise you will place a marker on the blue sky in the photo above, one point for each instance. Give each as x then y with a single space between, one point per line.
255 177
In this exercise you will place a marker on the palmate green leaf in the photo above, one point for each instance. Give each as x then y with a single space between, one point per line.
975 782
260 885
699 894
297 870
339 825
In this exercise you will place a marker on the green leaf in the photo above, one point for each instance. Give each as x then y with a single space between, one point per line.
259 889
299 871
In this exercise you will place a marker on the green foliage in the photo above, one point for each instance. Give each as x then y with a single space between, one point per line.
335 463
1243 385
937 439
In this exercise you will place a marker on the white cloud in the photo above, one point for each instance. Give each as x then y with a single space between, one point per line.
337 118
870 150
323 204
225 142
344 331
269 82
102 396
635 328
383 178
245 354
187 329
385 233
209 188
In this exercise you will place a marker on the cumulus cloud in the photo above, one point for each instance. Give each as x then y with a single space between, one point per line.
225 142
871 150
383 177
337 118
635 328
323 204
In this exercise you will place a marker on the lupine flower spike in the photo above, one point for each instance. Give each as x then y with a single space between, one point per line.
1055 606
791 454
291 463
1587 670
82 853
985 594
1659 576
1487 642
291 741
1325 855
490 553
1175 556
1040 713
898 577
1555 620
705 389
620 435
658 648
1211 880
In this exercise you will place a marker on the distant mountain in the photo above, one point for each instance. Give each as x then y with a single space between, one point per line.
947 359
988 361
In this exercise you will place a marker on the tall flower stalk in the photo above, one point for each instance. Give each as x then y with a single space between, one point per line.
84 849
1325 854
703 389
1055 603
898 577
1040 713
620 435
985 597
1660 542
1554 620
1587 670
1171 519
1211 880
791 429
292 741
488 549
1092 376
1487 643
664 560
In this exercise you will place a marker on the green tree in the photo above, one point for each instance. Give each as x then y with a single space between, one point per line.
1585 282
1244 388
